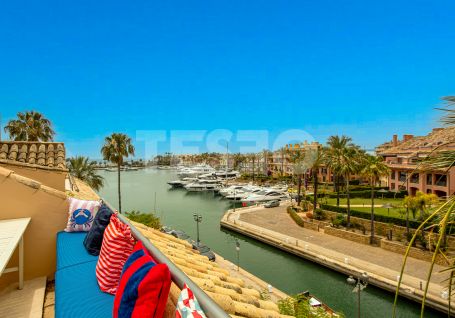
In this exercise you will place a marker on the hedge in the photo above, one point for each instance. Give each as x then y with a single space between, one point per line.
364 194
367 215
295 216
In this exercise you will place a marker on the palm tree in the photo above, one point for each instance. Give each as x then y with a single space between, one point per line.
30 126
117 147
299 168
335 146
374 169
238 159
442 218
83 169
344 160
252 157
314 159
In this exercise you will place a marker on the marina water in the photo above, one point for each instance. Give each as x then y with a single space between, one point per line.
289 273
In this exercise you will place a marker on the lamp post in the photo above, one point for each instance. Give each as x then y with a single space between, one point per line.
198 219
237 248
359 284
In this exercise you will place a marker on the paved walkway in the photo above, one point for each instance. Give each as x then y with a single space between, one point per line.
372 259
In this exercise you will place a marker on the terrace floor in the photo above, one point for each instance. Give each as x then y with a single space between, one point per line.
27 302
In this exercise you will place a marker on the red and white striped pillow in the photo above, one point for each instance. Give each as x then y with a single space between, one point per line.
115 250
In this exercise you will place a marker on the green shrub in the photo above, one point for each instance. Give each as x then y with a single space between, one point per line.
297 219
319 214
148 219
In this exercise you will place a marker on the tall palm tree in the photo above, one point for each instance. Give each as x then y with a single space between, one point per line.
117 147
313 161
252 157
374 169
81 168
30 126
335 147
344 160
299 167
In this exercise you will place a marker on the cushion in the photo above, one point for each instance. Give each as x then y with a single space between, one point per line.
77 294
144 287
187 305
70 250
81 214
116 248
94 238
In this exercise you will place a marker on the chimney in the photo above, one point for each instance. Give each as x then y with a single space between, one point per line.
395 140
407 137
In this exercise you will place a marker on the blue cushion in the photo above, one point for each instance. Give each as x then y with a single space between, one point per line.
94 238
77 294
71 251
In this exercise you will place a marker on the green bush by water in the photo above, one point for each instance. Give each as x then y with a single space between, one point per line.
147 219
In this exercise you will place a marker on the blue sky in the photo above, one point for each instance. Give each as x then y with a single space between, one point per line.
362 68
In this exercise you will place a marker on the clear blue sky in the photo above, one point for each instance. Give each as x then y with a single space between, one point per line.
367 69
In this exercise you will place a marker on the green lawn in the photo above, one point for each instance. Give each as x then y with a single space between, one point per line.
397 203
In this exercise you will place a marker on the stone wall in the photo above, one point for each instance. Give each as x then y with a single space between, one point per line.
347 235
311 225
415 252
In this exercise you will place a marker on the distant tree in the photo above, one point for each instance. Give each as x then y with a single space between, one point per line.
116 148
84 169
374 169
30 126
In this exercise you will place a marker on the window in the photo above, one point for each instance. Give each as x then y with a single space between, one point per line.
441 180
403 176
399 160
392 175
415 178
429 179
392 186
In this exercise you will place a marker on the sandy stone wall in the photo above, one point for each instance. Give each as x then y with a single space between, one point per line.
347 235
414 252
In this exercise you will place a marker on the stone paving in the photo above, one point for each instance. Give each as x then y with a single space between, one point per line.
384 262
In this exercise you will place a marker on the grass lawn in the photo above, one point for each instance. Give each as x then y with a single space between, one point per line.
362 201
395 212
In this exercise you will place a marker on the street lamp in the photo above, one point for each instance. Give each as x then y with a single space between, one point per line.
237 248
198 219
359 284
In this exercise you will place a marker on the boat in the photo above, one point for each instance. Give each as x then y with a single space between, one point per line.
227 175
202 185
181 183
315 303
195 171
265 195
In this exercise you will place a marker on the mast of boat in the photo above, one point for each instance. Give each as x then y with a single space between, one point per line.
227 158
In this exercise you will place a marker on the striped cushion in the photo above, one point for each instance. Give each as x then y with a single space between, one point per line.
117 246
144 287
81 214
188 306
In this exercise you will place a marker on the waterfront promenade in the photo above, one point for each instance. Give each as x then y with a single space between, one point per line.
275 227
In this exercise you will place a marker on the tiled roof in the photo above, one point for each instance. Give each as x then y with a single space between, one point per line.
423 144
49 155
229 292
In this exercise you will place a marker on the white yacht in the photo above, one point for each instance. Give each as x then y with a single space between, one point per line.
228 175
202 185
181 183
265 195
195 171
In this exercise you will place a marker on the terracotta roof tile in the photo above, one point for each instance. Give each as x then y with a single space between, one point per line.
44 154
229 292
423 144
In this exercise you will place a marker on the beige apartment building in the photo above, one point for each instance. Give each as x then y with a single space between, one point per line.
403 157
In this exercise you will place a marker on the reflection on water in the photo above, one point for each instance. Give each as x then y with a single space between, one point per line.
291 274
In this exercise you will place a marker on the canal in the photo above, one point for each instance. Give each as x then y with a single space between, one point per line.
291 274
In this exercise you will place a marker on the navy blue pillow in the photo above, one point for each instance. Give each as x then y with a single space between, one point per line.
94 238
